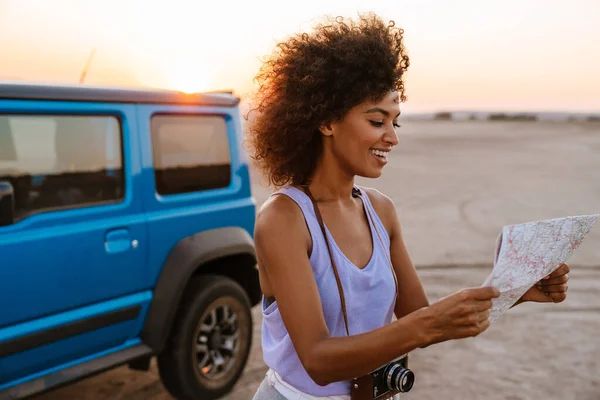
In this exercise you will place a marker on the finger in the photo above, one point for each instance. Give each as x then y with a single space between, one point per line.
483 293
562 270
474 318
479 328
559 280
468 319
465 321
472 330
484 305
558 297
484 316
484 326
554 288
477 306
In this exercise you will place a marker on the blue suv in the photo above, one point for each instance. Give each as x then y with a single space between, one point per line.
126 232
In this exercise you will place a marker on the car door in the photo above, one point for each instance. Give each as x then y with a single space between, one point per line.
72 234
195 178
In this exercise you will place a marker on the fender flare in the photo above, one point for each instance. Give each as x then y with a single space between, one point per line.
185 258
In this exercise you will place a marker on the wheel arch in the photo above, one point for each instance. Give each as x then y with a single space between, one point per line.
226 251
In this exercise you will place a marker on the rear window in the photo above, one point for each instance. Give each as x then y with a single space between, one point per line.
59 161
191 153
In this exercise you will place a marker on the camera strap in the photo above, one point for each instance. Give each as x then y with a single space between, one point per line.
356 193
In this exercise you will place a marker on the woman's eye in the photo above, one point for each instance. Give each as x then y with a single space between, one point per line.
379 124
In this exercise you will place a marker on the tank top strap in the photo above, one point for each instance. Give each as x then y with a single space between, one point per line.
376 220
300 198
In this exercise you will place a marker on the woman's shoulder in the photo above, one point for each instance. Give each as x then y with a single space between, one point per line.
382 203
384 206
280 225
279 212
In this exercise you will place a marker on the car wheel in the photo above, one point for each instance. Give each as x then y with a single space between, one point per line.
210 341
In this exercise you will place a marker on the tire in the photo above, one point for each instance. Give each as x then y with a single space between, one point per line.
214 315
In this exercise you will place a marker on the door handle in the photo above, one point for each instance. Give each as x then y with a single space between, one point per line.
118 241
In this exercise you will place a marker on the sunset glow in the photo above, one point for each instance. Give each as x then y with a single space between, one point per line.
465 54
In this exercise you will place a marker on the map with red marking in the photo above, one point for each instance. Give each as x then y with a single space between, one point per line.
526 253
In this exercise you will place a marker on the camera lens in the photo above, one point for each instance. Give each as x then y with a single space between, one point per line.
399 378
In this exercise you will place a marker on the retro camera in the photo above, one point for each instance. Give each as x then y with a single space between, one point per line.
386 381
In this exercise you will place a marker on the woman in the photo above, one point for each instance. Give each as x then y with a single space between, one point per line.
327 111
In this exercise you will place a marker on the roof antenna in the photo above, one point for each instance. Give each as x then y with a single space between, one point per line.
87 66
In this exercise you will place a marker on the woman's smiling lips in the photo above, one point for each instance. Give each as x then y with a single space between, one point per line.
380 155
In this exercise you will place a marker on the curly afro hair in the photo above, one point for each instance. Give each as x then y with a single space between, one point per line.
315 79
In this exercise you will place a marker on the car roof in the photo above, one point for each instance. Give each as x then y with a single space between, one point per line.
71 92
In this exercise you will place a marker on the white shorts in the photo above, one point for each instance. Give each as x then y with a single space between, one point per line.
291 393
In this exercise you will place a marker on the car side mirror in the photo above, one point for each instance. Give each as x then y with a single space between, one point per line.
7 204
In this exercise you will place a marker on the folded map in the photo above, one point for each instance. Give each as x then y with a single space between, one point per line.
526 253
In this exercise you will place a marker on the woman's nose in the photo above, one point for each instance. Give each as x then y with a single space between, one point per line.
391 137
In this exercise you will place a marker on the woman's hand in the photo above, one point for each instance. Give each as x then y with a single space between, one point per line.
551 289
460 315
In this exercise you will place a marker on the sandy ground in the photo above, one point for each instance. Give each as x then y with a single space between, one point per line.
456 184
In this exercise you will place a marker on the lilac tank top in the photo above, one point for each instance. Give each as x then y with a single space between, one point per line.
369 293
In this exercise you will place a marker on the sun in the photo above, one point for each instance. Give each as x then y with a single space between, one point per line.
188 81
188 75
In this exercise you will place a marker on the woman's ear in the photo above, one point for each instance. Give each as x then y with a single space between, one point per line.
326 129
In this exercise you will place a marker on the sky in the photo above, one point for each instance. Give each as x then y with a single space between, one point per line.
510 55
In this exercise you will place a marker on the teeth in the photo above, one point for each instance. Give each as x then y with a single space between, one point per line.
379 153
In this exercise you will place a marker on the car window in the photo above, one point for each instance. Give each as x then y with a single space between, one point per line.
58 161
191 153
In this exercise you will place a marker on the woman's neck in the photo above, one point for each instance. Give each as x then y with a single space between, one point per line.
330 183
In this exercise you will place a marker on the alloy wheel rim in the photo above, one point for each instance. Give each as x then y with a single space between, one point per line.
217 342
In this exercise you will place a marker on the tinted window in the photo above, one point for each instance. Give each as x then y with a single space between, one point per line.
191 153
57 162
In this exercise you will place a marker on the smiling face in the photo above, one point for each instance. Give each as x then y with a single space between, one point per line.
362 140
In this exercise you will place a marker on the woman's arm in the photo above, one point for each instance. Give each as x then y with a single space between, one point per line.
281 245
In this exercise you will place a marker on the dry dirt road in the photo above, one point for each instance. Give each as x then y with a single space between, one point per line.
455 185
